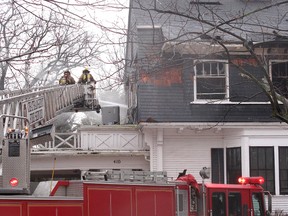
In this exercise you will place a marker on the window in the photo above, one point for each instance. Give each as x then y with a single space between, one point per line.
262 164
258 207
234 207
217 159
219 204
279 72
182 202
233 156
283 169
210 81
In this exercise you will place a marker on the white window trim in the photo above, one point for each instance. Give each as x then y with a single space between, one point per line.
201 101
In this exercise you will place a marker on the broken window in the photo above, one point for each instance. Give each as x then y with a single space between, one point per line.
210 80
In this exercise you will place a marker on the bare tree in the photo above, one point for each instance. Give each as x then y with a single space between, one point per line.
39 39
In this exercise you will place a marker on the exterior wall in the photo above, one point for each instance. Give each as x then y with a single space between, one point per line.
167 96
189 150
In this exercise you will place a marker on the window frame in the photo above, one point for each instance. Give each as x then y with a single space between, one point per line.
226 74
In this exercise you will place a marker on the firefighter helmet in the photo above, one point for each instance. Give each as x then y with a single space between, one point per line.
86 70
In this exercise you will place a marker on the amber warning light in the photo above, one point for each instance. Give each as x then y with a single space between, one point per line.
251 180
13 182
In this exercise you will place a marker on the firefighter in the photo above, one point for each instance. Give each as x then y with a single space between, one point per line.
66 79
86 77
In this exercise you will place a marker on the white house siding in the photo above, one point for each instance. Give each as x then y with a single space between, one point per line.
187 150
279 203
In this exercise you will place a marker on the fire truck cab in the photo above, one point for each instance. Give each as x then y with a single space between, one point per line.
234 200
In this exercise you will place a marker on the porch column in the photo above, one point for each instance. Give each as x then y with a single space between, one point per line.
148 140
245 143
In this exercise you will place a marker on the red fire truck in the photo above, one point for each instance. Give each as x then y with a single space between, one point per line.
140 198
120 193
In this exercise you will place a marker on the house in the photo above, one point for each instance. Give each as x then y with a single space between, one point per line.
196 85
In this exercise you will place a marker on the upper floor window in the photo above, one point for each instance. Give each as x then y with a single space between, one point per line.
279 74
211 80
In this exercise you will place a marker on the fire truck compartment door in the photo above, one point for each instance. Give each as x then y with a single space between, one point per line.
129 200
109 202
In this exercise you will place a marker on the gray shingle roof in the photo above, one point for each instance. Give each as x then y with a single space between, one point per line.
252 20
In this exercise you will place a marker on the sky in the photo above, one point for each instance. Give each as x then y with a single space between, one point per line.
113 15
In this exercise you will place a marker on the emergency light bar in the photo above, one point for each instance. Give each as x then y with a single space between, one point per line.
251 180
